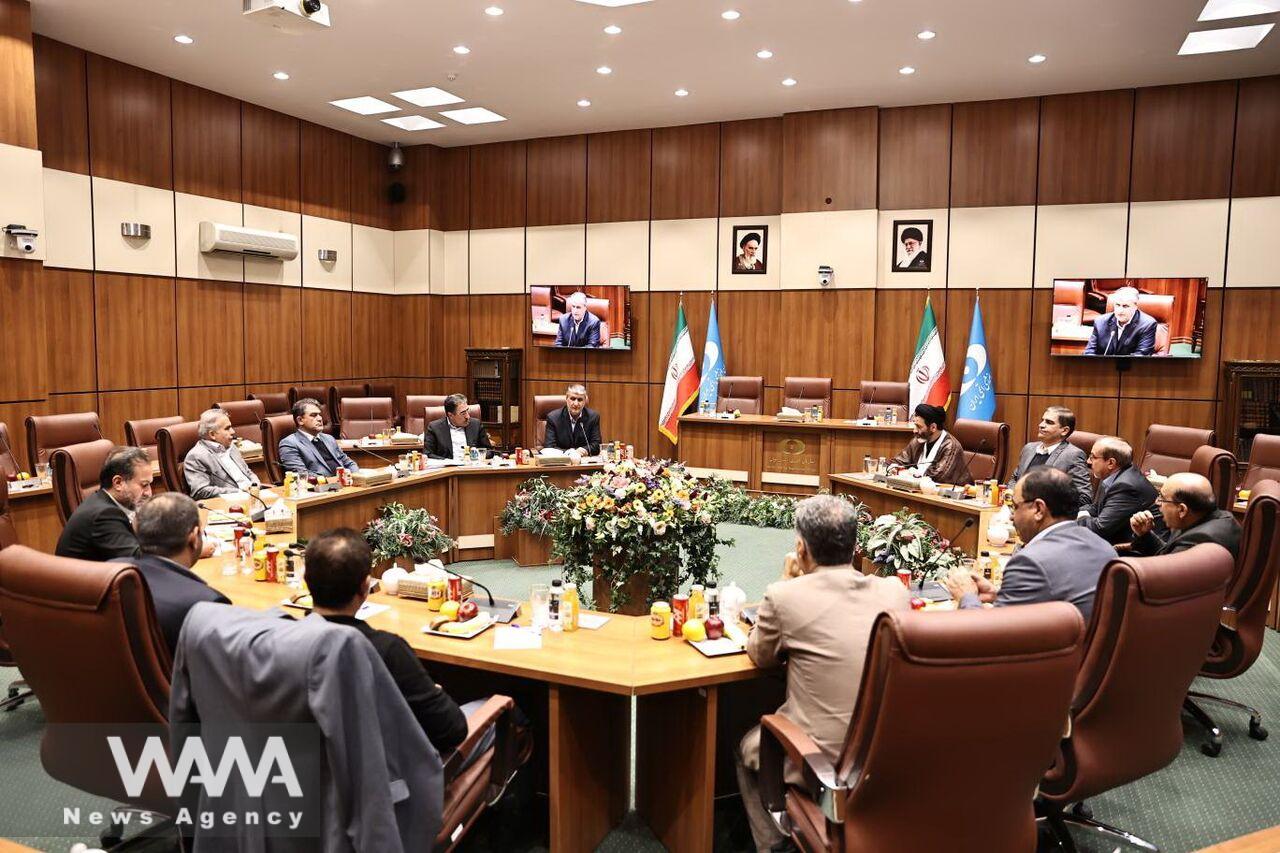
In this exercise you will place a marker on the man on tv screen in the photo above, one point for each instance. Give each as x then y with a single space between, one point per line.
578 326
1125 331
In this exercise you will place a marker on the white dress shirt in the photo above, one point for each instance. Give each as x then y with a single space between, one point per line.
458 437
229 465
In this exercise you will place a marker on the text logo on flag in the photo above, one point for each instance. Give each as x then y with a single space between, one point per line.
712 364
977 389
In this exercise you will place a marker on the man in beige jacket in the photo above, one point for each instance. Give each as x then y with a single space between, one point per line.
818 620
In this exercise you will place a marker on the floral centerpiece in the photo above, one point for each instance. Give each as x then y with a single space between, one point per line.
637 530
409 533
903 540
734 505
532 508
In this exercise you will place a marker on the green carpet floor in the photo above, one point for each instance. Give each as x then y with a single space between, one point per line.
1194 802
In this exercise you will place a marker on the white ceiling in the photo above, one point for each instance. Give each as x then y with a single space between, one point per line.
534 62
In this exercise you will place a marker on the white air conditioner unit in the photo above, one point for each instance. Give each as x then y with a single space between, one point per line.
247 241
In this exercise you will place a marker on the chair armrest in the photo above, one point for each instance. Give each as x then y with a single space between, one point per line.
778 735
494 712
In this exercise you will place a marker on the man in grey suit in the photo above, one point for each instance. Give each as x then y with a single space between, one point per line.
1122 490
1056 425
310 451
1190 511
214 465
1059 562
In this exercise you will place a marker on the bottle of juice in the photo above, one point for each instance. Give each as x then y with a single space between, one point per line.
571 606
555 607
697 602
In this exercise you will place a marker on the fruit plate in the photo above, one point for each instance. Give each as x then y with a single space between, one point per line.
471 634
718 648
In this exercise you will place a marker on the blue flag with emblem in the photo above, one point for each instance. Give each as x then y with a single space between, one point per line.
712 365
977 389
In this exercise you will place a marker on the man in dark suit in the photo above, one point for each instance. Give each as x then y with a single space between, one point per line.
1190 511
1059 562
1125 331
578 326
1122 491
574 427
102 526
1054 450
171 539
308 450
445 437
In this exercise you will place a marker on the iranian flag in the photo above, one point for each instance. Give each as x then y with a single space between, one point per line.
682 381
928 381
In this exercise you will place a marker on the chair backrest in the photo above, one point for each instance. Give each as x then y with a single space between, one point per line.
276 428
273 402
1218 466
801 392
544 405
8 463
986 447
246 416
416 407
173 444
875 397
320 394
143 433
977 665
1070 293
76 469
1153 621
364 415
8 533
46 433
388 389
1236 647
1168 449
338 392
87 640
1084 440
1264 460
743 393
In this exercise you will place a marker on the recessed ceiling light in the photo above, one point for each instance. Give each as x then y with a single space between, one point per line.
181 39
461 50
1217 10
473 115
731 14
613 29
365 105
926 35
604 69
413 122
1217 41
1036 58
790 81
613 4
764 54
493 11
906 69
281 75
584 103
682 93
428 97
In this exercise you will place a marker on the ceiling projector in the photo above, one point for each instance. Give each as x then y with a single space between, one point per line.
291 15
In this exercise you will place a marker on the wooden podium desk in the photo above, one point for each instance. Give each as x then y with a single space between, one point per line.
762 453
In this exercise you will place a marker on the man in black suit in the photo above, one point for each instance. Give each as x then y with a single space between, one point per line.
1122 490
102 526
445 437
578 326
171 539
1190 511
1125 331
574 427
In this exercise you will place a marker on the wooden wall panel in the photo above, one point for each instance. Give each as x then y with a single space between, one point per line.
1012 410
853 339
1257 166
452 335
1182 139
686 172
326 334
896 325
1006 314
451 189
271 148
553 364
618 176
751 167
373 336
624 412
370 177
1085 147
23 352
1061 374
414 212
1136 415
829 160
1093 414
915 157
116 407
193 402
69 334
1188 378
206 143
815 312
135 324
1251 318
17 76
633 366
557 181
498 185
697 308
497 320
130 124
272 330
62 105
415 334
749 332
993 153
326 173
211 344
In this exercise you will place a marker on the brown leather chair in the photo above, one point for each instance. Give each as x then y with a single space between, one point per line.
1168 449
801 392
415 411
364 415
338 392
388 389
246 417
86 637
173 444
1153 620
76 469
1243 621
1218 466
320 394
1084 440
602 309
8 462
977 665
273 402
19 691
1068 301
1264 461
743 393
46 433
143 433
544 405
275 429
986 447
875 397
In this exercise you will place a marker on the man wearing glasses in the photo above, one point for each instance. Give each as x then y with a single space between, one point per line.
1190 511
1122 491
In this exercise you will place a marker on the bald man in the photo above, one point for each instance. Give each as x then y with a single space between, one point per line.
1190 511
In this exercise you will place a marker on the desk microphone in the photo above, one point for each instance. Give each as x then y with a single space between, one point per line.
968 522
474 582
376 455
983 447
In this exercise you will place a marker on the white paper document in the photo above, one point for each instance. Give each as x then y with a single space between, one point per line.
591 621
515 637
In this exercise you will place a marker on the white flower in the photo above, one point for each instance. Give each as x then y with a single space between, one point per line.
659 527
590 523
887 518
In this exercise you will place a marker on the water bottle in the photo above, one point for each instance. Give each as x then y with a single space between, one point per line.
554 613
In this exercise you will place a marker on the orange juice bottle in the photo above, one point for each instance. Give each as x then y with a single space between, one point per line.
697 602
570 605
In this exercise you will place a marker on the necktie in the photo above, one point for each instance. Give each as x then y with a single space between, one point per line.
325 457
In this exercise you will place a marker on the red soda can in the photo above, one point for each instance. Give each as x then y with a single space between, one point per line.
273 564
918 603
344 477
455 588
904 575
239 534
679 614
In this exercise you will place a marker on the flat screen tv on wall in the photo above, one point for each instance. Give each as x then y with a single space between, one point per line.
1128 317
595 317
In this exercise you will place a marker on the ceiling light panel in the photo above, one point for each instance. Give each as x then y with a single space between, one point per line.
413 122
1218 41
473 115
613 4
1221 10
431 96
365 105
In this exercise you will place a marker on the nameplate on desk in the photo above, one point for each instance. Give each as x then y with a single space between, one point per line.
790 453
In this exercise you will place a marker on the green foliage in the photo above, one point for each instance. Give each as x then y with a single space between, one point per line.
532 508
904 540
402 532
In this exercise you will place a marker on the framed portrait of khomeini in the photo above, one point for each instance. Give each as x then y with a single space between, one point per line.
748 250
912 243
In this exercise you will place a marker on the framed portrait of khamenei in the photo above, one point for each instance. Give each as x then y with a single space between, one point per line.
748 250
912 245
